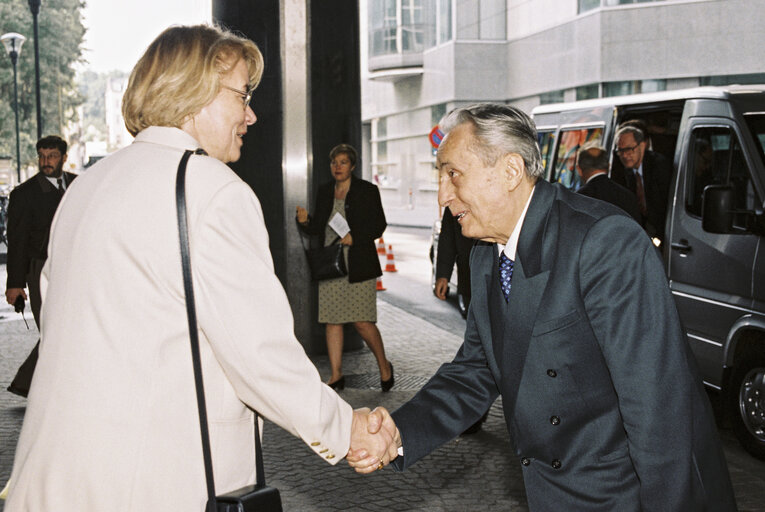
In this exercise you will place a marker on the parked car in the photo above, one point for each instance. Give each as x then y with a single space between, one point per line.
714 252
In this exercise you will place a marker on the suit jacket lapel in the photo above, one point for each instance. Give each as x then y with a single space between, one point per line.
530 276
481 267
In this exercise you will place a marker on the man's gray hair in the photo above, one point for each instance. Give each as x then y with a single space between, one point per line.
499 130
636 132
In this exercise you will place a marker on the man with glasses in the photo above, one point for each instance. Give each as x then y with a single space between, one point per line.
30 213
647 174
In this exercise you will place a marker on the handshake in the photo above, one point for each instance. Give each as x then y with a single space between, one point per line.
375 440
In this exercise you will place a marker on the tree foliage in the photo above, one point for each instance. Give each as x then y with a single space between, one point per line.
61 35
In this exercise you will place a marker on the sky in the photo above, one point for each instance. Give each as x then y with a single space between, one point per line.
118 31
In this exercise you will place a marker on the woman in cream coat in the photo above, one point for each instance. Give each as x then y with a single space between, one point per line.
111 422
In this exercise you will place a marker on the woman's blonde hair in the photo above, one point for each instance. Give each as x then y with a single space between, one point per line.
180 73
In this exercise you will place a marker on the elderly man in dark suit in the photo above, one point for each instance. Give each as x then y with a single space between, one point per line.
573 324
31 208
647 174
592 167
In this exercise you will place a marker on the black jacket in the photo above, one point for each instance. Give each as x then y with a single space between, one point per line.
603 188
657 173
453 247
31 207
366 218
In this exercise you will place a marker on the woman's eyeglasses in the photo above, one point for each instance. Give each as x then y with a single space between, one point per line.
246 95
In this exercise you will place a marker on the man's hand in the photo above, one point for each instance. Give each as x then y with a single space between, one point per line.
442 288
347 239
374 440
301 214
11 294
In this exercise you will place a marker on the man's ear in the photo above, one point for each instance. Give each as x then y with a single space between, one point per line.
515 169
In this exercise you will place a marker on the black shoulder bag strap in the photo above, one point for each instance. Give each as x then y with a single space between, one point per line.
183 233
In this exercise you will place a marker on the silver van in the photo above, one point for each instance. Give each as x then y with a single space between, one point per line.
714 247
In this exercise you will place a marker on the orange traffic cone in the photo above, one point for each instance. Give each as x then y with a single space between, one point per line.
381 246
391 265
380 287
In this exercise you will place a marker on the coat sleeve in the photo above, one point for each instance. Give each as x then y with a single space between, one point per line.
244 313
453 399
368 222
18 230
634 319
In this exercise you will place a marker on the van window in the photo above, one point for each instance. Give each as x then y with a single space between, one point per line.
718 160
546 140
756 123
565 160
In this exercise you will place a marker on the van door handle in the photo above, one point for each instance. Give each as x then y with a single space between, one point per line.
681 246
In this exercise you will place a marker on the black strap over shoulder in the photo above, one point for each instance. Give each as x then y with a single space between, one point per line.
188 287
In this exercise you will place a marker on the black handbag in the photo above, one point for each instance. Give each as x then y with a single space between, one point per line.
326 262
251 498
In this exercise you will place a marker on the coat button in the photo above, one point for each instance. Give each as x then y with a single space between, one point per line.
555 420
552 373
556 464
525 461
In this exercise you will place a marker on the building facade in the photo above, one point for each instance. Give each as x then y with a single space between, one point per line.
422 58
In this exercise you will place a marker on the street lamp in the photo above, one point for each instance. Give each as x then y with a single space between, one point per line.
34 6
12 42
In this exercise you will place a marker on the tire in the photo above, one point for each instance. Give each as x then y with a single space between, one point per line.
746 403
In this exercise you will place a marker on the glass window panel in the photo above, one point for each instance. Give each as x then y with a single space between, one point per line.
467 19
436 113
756 124
619 88
546 142
653 85
588 5
587 92
719 160
444 21
565 161
752 78
551 97
493 19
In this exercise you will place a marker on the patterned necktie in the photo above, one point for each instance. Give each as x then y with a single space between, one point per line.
640 192
60 185
505 274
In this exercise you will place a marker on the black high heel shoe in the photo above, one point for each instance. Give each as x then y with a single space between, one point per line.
339 384
387 384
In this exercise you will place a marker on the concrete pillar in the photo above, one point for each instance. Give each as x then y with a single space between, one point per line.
308 101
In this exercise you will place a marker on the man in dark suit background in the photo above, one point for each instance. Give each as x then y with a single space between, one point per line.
452 248
646 174
573 324
31 208
592 166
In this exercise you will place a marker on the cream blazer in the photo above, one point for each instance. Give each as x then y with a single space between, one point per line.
111 422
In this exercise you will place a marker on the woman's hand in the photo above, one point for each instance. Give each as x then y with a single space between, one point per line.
347 240
301 214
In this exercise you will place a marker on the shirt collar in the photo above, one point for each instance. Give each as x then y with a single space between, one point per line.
54 181
512 242
639 169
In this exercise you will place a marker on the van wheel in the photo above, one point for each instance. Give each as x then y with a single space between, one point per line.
746 404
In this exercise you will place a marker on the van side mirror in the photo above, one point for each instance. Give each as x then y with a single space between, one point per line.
717 209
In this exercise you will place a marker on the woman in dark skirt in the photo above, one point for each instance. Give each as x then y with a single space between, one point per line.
350 299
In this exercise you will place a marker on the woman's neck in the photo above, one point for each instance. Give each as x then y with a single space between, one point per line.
341 188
